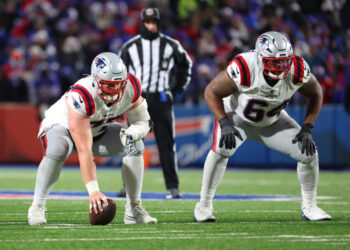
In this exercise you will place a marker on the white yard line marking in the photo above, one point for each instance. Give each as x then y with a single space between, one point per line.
258 182
283 211
170 212
266 211
120 224
333 202
182 211
211 235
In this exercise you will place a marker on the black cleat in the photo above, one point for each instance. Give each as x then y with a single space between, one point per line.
122 193
173 193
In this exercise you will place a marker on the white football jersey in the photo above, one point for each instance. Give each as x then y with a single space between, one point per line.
82 97
255 101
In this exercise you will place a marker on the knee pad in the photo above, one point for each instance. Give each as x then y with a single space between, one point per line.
303 158
225 152
134 148
60 148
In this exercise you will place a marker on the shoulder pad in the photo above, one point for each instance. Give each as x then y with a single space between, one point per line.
81 100
136 86
301 69
238 70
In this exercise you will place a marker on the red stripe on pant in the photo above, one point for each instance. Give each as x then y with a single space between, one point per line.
43 140
216 125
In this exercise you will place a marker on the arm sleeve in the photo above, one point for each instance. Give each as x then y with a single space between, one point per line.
124 55
184 67
139 121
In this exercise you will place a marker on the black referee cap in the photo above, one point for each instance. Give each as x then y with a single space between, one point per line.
150 13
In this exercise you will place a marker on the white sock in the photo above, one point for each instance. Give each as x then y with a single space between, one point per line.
48 172
308 178
214 169
132 172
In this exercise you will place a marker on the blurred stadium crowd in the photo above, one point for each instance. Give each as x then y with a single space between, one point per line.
46 45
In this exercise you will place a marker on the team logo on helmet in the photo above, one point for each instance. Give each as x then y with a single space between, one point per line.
100 64
264 42
262 39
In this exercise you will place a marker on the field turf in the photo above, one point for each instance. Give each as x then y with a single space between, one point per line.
241 223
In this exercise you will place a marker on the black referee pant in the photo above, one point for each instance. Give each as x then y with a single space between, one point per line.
160 110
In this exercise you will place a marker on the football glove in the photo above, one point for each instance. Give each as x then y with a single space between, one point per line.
228 133
176 90
304 136
128 142
125 137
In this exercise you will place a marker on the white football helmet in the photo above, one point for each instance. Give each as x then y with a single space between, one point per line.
276 54
110 74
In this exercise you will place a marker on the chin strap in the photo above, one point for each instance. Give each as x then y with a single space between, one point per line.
282 76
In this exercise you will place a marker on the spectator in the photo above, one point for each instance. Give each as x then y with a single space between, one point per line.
71 33
14 74
47 85
347 99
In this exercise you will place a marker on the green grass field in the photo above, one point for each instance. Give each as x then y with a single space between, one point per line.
249 224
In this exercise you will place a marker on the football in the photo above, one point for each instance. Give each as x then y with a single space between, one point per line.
106 216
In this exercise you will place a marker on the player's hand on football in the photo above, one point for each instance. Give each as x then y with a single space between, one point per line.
305 138
96 198
228 133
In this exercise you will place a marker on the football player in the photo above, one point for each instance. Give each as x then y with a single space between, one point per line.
83 121
247 101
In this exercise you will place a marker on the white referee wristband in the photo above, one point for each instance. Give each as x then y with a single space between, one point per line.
92 186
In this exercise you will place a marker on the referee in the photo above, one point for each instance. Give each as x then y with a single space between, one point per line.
164 69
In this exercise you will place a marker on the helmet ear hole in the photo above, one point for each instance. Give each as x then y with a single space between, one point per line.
110 75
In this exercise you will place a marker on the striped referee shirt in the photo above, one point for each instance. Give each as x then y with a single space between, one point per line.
160 64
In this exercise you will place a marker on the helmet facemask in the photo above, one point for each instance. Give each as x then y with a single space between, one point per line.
110 91
110 74
275 53
277 68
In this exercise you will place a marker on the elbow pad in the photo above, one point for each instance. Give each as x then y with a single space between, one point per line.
137 131
140 113
139 123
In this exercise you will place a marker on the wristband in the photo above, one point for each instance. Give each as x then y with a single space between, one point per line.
92 186
307 127
225 121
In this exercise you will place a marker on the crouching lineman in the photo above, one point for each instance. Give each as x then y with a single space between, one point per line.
258 86
83 122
